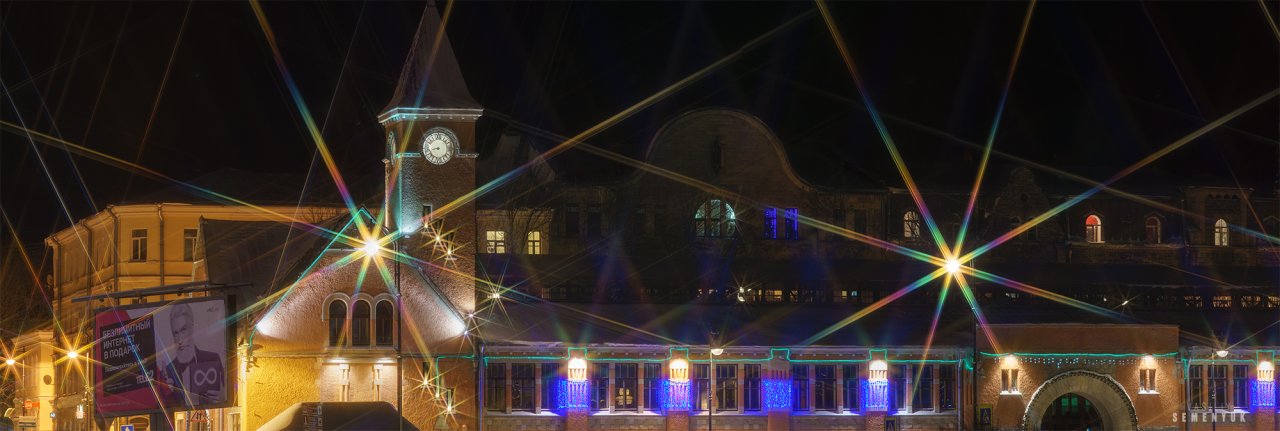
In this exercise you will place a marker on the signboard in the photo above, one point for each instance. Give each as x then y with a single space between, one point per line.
126 427
984 416
154 357
28 404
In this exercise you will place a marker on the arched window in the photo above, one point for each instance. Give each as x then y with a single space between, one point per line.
715 219
337 321
1093 229
1153 230
360 324
1221 235
384 320
911 225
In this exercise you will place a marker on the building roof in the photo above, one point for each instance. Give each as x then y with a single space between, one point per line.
431 77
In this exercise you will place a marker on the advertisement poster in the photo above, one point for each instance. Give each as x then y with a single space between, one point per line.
167 357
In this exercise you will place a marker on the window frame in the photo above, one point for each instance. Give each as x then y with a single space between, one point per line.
1093 229
524 386
653 387
911 225
138 244
533 243
626 376
495 241
379 320
824 388
190 239
851 386
800 387
726 387
751 384
358 328
715 218
792 224
495 394
337 322
1153 230
1221 233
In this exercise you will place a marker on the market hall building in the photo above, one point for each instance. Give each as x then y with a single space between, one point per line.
717 289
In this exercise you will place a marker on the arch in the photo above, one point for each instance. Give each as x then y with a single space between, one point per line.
715 218
336 314
1106 395
699 119
384 323
911 224
1221 233
360 327
1153 230
1093 229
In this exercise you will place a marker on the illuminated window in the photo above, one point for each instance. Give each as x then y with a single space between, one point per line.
1147 381
726 387
337 321
1153 230
824 387
189 244
793 223
495 394
1009 381
715 219
383 323
139 250
626 383
1093 229
495 241
653 387
911 225
771 223
1221 235
522 387
800 387
360 315
533 242
751 387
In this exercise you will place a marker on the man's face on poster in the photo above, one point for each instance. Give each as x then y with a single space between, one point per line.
182 328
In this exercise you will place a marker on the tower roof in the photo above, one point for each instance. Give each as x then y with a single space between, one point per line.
431 78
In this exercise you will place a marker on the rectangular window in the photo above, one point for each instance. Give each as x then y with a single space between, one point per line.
1147 381
495 241
595 223
522 387
139 250
800 388
550 378
1218 386
898 377
625 383
1240 386
653 387
824 387
189 244
771 223
495 394
947 387
851 388
1195 374
701 387
922 390
1009 381
793 223
599 387
751 387
571 224
533 243
726 387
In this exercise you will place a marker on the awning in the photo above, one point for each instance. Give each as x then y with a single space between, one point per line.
371 416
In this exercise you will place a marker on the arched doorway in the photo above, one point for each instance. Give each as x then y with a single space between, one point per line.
1110 404
1071 412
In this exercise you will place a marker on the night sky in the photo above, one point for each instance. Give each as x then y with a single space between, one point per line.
1099 86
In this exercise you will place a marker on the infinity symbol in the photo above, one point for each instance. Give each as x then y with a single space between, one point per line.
204 377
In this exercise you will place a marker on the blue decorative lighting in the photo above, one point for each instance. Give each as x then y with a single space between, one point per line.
675 396
875 396
777 394
1264 393
571 395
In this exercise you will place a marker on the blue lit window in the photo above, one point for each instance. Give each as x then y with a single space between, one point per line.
771 223
550 375
653 387
715 219
793 223
800 388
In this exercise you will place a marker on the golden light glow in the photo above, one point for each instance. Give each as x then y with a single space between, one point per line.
1148 362
1009 362
679 370
577 370
717 352
72 354
371 247
1266 371
9 361
878 371
1222 353
953 266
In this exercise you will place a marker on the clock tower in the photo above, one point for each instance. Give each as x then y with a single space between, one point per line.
430 159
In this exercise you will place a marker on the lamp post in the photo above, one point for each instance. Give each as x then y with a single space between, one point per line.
711 394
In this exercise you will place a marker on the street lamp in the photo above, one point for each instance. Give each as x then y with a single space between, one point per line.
711 394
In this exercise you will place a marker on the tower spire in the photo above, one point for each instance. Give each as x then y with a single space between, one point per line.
431 81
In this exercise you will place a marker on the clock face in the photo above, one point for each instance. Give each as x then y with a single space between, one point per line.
439 145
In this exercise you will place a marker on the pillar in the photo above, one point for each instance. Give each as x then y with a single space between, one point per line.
777 390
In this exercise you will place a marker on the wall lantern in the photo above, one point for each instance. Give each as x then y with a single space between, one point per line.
1148 362
1009 362
679 370
577 370
1266 371
878 371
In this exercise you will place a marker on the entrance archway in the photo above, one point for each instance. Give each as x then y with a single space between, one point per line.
1112 405
1071 412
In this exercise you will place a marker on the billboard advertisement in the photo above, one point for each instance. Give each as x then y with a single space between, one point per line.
162 357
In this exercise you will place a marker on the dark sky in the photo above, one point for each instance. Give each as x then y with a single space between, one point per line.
1099 86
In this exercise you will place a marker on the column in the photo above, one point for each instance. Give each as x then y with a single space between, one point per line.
875 391
776 382
678 393
577 393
